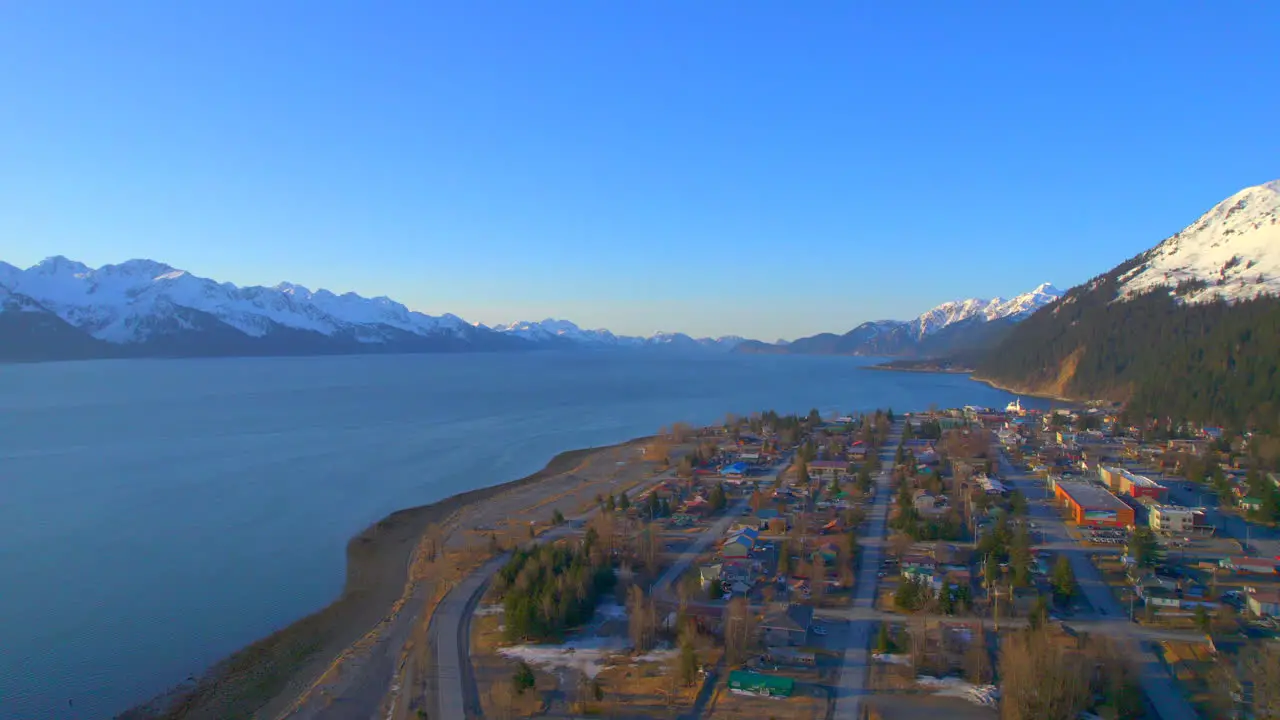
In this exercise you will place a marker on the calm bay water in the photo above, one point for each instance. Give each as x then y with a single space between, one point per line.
157 515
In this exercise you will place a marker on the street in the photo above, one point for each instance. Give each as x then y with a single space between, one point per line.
1109 616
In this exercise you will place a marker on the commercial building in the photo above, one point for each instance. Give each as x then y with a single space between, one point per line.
1092 505
1123 482
1170 519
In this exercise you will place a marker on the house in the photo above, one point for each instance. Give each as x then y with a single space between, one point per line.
1261 566
736 470
827 470
787 656
1250 502
749 683
1264 602
709 574
859 450
786 624
827 553
738 546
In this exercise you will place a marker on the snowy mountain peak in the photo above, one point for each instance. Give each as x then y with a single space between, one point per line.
1232 252
552 329
132 301
1016 308
59 265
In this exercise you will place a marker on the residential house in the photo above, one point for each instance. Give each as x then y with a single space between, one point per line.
827 470
737 547
1264 602
786 624
1260 566
709 575
923 502
1251 502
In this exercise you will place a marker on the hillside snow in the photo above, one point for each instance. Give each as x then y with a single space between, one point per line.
1234 249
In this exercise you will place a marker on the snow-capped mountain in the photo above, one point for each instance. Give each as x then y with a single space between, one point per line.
1016 308
564 331
1232 252
60 308
143 307
959 324
129 302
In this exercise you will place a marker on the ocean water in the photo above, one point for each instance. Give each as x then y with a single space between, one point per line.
156 515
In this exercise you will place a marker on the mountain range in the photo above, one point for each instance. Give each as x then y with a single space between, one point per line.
64 309
1189 329
946 329
1229 257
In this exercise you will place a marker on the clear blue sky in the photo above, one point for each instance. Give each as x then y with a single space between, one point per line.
761 168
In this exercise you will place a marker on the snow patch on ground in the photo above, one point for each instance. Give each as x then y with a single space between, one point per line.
985 695
891 659
588 653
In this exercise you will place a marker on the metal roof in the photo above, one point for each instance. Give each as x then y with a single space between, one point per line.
1090 496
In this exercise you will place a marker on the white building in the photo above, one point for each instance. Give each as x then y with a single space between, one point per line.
1170 519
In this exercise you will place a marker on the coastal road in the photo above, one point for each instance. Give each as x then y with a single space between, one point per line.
852 685
450 633
450 630
1162 692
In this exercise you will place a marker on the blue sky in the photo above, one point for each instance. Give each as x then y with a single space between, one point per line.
711 167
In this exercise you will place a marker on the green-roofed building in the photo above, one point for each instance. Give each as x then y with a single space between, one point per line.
757 684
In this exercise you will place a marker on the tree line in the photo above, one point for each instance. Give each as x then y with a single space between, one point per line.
1209 362
550 589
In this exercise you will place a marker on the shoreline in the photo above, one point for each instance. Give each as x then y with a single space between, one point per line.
935 371
1027 393
267 675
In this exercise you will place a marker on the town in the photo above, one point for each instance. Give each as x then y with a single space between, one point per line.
976 562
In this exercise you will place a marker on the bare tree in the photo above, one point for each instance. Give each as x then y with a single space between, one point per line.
647 545
642 619
1261 666
1041 680
977 658
681 432
739 629
900 544
434 541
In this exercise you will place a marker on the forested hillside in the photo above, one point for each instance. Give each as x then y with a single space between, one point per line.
1207 362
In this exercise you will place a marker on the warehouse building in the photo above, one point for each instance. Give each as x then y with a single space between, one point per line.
1123 482
1092 505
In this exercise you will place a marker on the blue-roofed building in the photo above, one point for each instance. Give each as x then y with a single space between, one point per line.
737 469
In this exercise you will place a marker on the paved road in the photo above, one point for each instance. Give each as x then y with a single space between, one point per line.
1162 692
851 686
709 535
1260 539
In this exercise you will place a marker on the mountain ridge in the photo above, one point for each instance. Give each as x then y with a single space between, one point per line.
941 330
1188 329
145 308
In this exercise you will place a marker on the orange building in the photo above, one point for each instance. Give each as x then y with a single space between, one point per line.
1092 505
